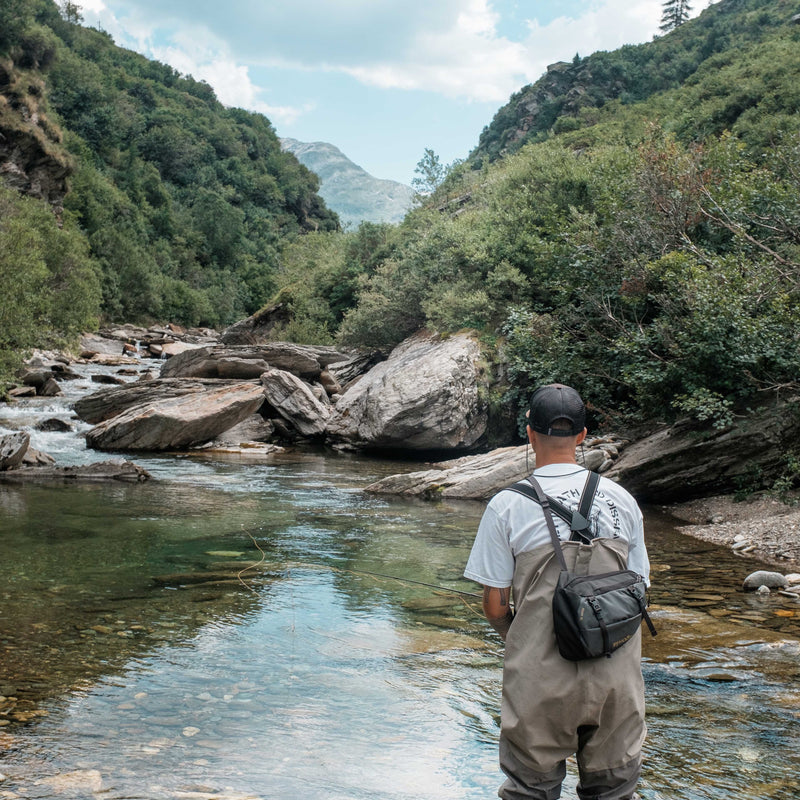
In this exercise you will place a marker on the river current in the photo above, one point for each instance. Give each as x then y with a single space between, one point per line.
241 628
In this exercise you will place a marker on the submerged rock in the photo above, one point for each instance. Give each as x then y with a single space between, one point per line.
102 471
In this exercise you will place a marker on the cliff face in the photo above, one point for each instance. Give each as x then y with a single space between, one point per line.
31 159
348 189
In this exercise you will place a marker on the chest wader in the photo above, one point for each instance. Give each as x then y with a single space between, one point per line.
553 708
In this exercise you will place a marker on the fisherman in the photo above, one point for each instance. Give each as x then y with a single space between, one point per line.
553 708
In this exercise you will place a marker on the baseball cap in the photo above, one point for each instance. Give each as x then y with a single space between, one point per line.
557 402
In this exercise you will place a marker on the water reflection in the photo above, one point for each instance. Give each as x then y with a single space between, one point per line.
269 631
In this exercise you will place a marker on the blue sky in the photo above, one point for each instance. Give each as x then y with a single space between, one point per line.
380 79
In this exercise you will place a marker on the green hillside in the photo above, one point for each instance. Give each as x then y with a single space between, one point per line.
180 205
644 250
721 54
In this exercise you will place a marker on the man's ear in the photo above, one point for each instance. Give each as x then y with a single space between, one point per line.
581 436
531 434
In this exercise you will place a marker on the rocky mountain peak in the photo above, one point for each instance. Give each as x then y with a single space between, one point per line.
349 189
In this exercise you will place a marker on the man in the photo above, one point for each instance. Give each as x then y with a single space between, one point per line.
553 708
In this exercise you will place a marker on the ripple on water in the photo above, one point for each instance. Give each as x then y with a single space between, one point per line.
138 660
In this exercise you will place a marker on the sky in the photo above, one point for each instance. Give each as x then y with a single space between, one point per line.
382 80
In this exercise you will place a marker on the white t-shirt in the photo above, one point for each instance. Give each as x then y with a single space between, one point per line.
513 523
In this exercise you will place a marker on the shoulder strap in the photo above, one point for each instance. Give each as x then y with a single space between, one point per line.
544 502
580 518
578 521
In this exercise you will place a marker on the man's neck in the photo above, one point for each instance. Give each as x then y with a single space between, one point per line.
546 459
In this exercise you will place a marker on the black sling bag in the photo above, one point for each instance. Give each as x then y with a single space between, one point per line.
593 615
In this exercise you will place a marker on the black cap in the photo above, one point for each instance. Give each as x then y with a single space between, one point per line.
557 402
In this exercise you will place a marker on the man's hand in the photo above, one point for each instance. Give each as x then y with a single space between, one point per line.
497 608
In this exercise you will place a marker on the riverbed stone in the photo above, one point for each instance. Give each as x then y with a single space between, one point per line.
13 447
295 401
48 472
428 395
54 425
253 429
83 781
219 361
772 580
177 423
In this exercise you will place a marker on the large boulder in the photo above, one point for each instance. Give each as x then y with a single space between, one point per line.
108 403
180 422
259 328
426 396
295 402
682 462
221 361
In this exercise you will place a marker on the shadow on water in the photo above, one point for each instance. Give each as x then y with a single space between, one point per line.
230 631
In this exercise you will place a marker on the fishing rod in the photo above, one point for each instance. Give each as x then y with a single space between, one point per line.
355 572
409 580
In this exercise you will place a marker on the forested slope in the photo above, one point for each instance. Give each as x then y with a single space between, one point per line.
178 205
648 254
575 94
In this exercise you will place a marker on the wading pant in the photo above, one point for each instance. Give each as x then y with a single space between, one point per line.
553 708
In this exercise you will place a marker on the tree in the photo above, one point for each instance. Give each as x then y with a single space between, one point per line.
674 13
71 12
431 173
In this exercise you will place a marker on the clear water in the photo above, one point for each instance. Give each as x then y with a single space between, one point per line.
267 630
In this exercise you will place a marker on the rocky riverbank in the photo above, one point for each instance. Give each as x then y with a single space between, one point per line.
425 396
759 527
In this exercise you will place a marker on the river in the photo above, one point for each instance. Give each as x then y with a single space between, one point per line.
264 629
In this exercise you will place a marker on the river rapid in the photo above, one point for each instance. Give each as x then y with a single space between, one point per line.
243 628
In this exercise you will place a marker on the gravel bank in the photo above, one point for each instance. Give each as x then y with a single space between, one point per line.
760 527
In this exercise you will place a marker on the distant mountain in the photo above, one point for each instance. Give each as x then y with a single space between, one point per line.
349 190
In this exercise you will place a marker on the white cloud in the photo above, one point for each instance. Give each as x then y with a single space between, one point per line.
467 59
231 81
604 26
92 6
194 51
450 47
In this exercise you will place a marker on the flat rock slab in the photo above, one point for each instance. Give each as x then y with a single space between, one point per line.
472 477
177 423
103 471
223 361
108 403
